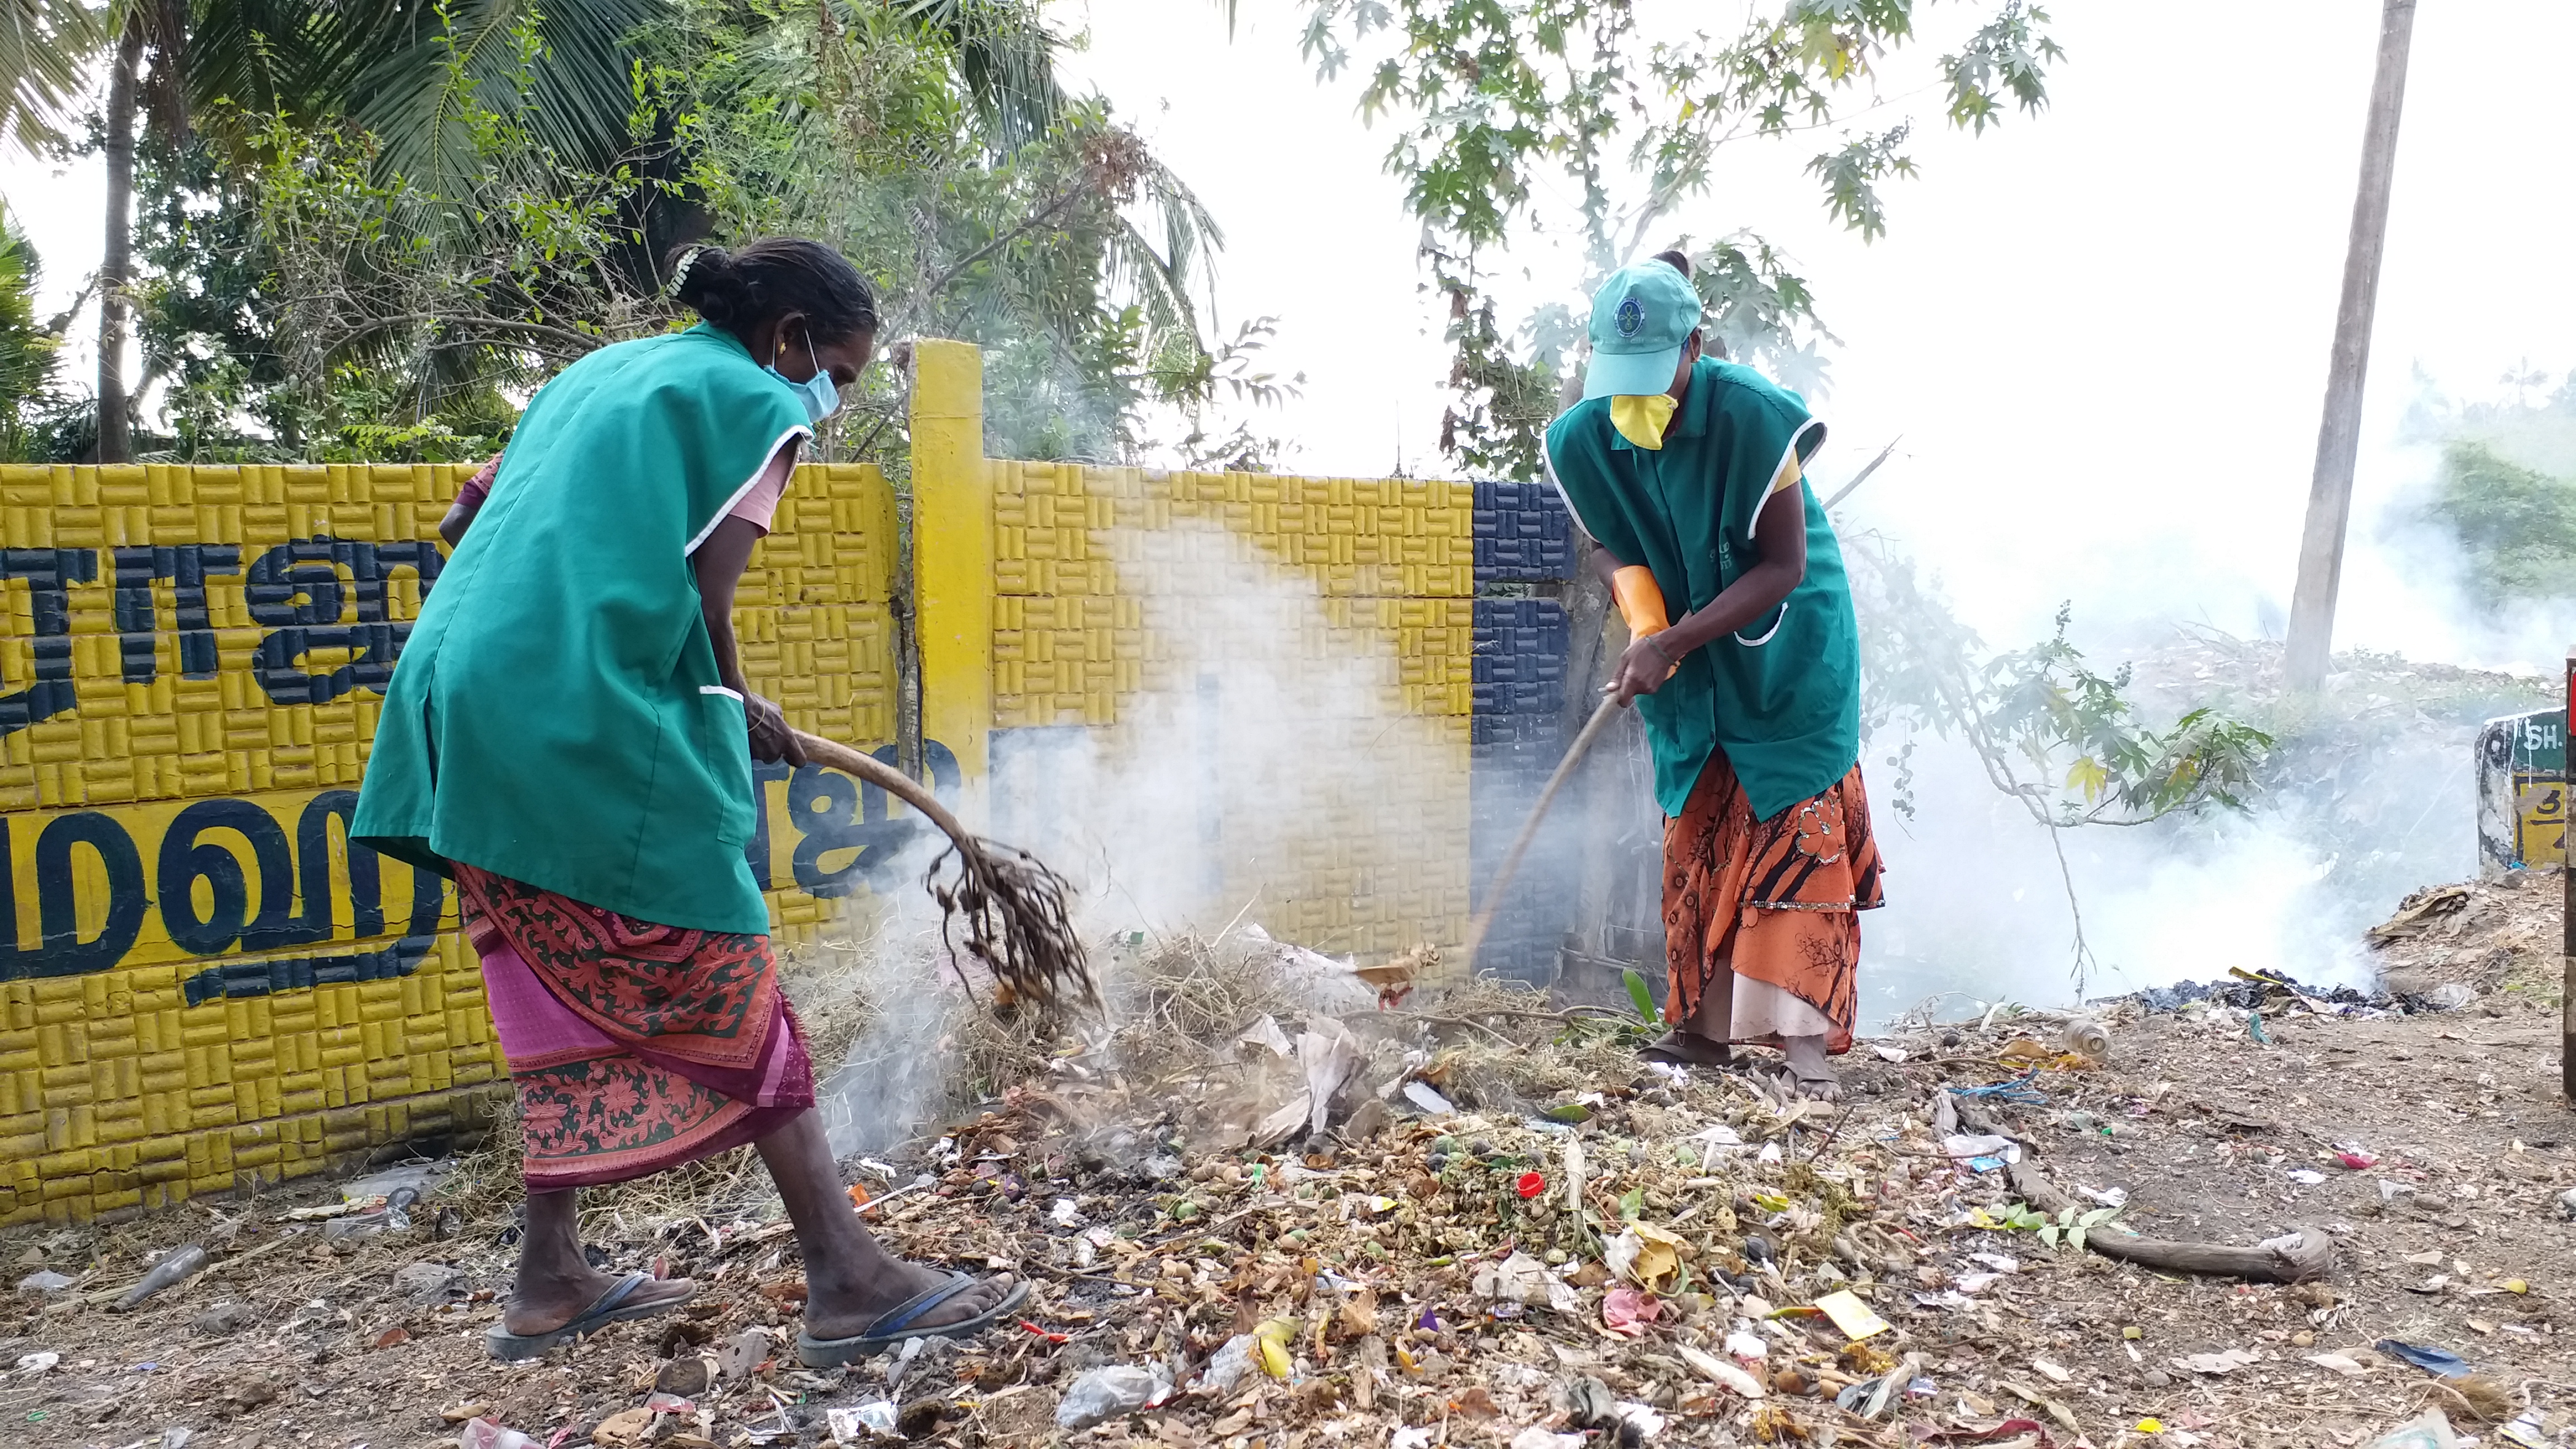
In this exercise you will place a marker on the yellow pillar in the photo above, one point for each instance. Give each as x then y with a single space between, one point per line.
952 552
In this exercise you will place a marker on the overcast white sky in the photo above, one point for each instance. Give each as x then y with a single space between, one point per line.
2101 333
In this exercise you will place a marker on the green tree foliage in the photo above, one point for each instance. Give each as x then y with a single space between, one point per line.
990 208
43 44
2517 524
1505 106
383 221
2506 490
30 405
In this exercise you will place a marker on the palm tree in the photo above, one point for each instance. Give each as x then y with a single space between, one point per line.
43 45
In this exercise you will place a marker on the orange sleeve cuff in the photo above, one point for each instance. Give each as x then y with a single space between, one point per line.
1640 602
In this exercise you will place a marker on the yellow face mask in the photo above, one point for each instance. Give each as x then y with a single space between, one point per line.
1641 420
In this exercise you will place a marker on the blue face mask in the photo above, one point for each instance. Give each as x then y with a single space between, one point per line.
820 395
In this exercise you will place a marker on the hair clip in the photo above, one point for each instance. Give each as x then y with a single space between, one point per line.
680 273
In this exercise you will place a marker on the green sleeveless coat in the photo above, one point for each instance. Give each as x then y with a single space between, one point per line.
556 716
1782 698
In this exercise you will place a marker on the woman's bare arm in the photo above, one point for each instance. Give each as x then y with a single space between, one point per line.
719 563
1780 532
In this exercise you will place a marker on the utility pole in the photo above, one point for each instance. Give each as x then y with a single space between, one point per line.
2312 605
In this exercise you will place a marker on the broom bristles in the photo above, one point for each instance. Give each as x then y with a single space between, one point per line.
1015 910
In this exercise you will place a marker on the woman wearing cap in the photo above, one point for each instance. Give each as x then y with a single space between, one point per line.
569 736
1687 472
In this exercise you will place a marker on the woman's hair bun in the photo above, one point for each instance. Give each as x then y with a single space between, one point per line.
704 281
738 290
1676 259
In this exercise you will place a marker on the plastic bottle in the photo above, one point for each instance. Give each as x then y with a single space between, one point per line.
2087 1039
176 1266
395 1217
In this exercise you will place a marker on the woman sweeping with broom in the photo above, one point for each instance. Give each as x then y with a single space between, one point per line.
1687 472
568 734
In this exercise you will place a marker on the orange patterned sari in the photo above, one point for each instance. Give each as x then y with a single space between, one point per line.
1777 901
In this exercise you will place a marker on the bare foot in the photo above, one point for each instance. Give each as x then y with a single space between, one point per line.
1683 1047
841 1305
546 1302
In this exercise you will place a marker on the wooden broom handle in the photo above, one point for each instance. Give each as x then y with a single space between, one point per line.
885 777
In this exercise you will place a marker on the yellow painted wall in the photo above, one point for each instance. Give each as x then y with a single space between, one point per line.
1074 555
162 629
115 1091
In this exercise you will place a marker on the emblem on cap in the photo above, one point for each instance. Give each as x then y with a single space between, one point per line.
1632 318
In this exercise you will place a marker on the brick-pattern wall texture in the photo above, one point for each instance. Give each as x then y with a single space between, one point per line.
202 988
195 995
1463 709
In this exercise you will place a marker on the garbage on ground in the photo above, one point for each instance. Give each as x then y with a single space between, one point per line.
1555 1219
43 1284
1103 1394
485 1434
1853 1317
2428 1430
429 1282
2438 1361
1421 1095
1718 1371
176 1266
857 1424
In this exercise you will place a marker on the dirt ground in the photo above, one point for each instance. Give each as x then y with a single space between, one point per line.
1413 1295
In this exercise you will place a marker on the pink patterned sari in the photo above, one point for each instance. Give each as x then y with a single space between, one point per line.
634 1047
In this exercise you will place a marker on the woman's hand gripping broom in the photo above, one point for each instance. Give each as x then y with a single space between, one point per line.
1641 604
1016 918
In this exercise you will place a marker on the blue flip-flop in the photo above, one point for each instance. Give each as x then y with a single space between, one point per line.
611 1307
890 1328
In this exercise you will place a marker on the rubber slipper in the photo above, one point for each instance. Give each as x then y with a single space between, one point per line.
1796 1085
890 1328
1669 1050
611 1307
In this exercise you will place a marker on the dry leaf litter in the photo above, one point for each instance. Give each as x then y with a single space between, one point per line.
1286 1204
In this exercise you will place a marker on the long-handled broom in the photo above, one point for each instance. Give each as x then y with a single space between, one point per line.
1014 907
1574 753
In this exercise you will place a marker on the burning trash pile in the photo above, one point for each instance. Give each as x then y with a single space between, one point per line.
1278 1202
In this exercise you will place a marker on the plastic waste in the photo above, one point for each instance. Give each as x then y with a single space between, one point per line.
395 1217
484 1434
2428 1430
1231 1366
42 1284
1105 1393
2450 996
1421 1095
856 1425
2525 1431
2438 1361
2087 1039
176 1266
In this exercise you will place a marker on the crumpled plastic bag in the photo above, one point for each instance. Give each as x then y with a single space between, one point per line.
1521 1278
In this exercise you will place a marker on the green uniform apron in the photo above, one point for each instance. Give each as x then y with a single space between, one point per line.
556 716
1782 697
